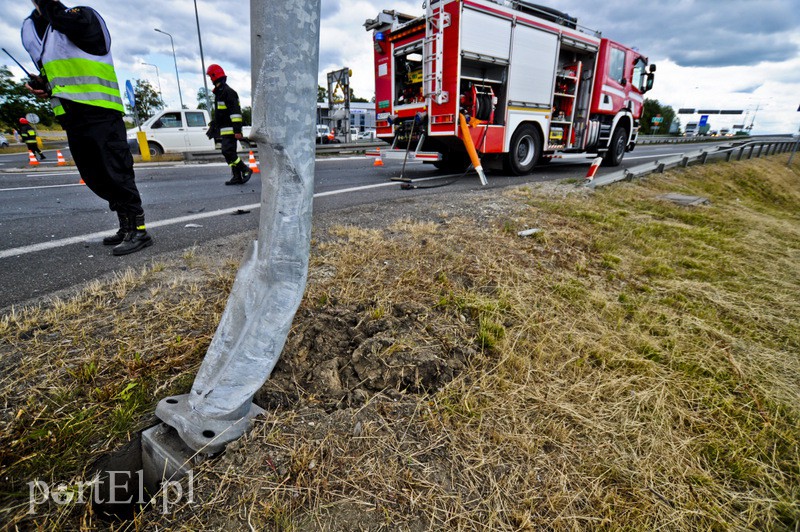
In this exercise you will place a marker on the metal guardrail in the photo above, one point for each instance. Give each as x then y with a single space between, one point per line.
756 148
671 139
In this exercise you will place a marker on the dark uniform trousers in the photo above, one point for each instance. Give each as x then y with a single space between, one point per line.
228 146
100 148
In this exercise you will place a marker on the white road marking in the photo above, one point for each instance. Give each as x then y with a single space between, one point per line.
33 248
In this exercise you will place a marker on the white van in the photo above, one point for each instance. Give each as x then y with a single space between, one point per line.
177 130
323 134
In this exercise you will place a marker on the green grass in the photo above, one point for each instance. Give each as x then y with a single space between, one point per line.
633 366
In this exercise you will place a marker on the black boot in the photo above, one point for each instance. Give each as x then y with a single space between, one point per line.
136 237
244 172
119 236
236 176
41 156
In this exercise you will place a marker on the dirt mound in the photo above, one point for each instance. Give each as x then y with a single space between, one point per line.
341 356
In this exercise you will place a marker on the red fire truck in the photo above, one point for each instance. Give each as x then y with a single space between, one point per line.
517 82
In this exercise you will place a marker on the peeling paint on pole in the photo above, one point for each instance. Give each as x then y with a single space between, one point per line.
272 278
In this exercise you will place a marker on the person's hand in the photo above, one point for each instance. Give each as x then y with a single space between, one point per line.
238 136
38 86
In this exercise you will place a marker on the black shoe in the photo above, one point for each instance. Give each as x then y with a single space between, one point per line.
133 242
234 181
119 236
42 157
246 174
114 239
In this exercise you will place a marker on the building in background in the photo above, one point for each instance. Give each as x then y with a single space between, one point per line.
362 116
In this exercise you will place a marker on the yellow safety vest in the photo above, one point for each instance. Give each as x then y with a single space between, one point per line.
72 73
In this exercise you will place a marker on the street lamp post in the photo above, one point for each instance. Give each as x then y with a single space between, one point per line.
202 59
158 77
175 58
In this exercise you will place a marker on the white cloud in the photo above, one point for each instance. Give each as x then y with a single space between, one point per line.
732 54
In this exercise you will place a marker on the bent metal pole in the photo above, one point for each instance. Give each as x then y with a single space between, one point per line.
272 277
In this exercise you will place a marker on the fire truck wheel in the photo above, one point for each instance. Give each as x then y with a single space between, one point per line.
616 150
524 151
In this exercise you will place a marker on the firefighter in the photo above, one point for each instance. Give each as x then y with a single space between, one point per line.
227 124
72 49
28 135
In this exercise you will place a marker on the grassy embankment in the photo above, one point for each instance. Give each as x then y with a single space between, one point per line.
635 365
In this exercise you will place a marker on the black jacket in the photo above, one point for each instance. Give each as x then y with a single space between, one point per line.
27 133
227 111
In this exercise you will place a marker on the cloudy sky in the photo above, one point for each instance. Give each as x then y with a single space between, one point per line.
719 54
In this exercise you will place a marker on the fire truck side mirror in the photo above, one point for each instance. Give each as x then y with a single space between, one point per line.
652 68
649 83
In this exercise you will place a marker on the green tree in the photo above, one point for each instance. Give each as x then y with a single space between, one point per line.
202 101
322 94
16 101
147 100
354 98
652 109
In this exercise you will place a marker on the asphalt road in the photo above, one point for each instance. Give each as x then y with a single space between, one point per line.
51 227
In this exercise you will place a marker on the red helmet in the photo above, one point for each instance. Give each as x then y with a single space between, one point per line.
215 72
23 121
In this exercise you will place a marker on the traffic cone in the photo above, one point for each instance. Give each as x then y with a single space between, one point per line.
32 159
60 157
593 169
378 159
253 164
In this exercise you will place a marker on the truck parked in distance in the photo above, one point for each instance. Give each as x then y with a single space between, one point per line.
177 131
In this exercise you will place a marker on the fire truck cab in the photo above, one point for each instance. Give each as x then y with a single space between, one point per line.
529 81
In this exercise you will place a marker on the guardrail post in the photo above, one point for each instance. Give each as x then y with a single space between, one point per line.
272 277
685 162
703 157
728 156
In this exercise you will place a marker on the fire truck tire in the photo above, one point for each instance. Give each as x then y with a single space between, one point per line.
525 150
616 149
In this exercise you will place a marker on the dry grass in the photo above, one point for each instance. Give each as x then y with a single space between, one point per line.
634 366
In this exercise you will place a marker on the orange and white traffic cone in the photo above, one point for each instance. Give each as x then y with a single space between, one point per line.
378 159
593 169
32 159
60 157
253 164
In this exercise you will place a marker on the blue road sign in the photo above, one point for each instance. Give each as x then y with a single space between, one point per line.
129 94
703 120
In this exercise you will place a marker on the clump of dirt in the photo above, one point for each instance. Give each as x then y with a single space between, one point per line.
340 356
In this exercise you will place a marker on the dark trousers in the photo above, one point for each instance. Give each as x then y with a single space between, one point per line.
228 144
34 147
99 147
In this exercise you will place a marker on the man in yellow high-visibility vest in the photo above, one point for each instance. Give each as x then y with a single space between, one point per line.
72 49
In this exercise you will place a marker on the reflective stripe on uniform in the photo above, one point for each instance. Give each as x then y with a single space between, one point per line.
58 109
222 105
85 81
237 161
226 131
236 118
